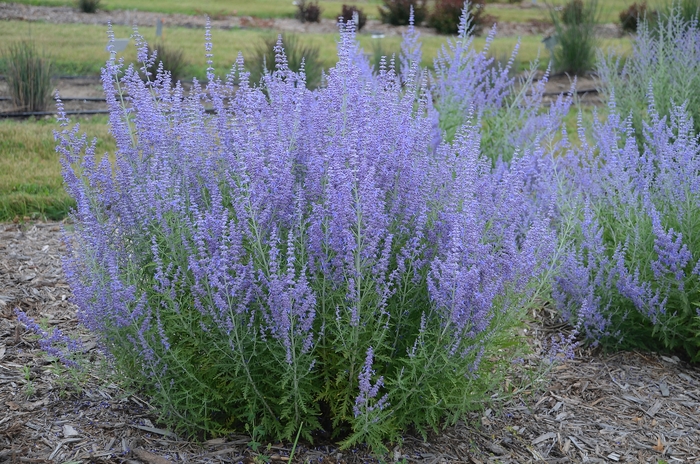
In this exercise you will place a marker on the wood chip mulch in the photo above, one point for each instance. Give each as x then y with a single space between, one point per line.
625 407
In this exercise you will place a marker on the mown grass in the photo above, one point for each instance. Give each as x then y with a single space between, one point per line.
330 8
80 48
260 8
30 173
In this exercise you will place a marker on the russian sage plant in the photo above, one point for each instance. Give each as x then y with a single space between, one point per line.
633 274
666 59
299 257
511 113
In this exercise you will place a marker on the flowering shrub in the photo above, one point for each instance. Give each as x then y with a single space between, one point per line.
512 116
288 262
634 272
665 56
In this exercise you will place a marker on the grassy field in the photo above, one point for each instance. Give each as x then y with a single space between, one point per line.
610 9
30 173
79 49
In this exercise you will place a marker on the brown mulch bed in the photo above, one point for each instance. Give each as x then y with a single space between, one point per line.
626 407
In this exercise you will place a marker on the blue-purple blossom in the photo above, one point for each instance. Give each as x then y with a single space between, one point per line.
291 252
628 280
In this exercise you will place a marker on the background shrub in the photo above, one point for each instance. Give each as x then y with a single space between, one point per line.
348 13
398 12
665 61
88 6
576 42
28 76
296 51
289 259
172 59
308 11
632 277
632 15
446 15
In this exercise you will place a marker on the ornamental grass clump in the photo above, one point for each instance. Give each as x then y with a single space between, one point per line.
299 260
575 34
632 279
665 55
298 53
28 76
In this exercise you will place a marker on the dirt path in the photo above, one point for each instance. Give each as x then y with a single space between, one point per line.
627 407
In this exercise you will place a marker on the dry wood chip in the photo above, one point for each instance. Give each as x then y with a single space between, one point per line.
544 437
663 386
165 433
150 457
69 431
651 412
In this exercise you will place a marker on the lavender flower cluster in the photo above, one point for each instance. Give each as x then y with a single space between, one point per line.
299 256
348 259
632 278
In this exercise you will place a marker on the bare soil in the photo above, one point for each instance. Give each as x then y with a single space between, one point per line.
625 407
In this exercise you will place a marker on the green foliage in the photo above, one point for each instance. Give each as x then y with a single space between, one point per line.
447 13
576 42
172 59
213 388
665 61
28 76
681 10
397 12
297 51
88 6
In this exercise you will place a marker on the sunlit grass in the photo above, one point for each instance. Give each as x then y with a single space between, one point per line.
259 8
30 173
80 48
517 12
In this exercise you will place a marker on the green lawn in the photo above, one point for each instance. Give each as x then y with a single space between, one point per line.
30 172
610 9
260 8
80 48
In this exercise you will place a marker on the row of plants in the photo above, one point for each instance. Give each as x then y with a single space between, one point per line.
355 260
444 18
